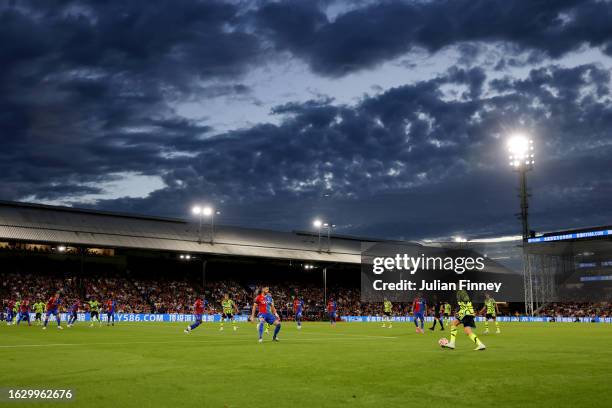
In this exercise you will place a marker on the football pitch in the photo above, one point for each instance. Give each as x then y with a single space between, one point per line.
352 365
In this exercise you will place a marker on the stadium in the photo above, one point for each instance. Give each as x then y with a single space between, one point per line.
297 203
156 268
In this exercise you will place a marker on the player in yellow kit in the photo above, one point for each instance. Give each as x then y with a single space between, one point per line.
465 316
39 309
492 311
447 312
229 307
388 309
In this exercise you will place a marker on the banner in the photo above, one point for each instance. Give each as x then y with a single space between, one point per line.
188 318
147 317
536 319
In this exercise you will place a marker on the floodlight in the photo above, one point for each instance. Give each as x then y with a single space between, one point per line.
521 150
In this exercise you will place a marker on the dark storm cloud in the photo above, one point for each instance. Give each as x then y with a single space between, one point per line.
410 162
87 87
378 31
88 91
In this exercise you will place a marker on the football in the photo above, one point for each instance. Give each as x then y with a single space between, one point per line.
443 341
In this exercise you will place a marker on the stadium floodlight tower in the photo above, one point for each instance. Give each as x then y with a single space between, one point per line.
318 224
522 160
205 211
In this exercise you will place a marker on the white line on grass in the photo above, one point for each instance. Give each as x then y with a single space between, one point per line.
228 341
359 335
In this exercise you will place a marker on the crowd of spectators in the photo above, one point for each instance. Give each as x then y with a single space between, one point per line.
36 286
576 310
177 295
49 249
121 290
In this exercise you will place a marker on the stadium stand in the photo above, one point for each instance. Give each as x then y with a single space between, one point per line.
90 254
143 295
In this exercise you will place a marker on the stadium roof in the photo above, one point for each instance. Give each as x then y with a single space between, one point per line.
73 226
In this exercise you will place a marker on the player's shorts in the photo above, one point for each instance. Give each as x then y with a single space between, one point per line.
468 321
24 316
53 312
198 317
268 317
446 315
227 316
38 316
73 314
298 315
332 315
95 314
388 314
490 316
419 316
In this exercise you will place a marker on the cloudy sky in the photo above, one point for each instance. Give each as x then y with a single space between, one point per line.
388 118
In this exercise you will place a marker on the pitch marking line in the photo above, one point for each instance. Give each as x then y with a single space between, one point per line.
227 341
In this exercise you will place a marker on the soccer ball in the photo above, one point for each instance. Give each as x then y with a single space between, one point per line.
443 341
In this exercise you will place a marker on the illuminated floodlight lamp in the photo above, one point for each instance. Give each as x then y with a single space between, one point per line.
521 151
61 248
317 223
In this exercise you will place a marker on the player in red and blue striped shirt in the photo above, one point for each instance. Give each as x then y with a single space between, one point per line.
298 308
198 309
110 311
331 310
9 312
74 309
24 312
53 309
266 313
419 308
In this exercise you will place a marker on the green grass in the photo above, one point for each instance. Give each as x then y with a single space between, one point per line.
353 365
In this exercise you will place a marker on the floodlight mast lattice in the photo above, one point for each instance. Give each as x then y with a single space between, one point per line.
522 160
205 211
318 224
